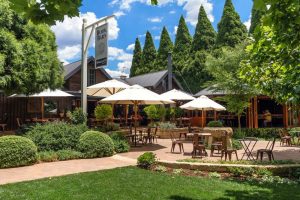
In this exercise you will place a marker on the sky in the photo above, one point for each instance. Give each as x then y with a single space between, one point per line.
133 19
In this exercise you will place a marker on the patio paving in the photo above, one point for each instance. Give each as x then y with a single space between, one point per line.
163 146
52 169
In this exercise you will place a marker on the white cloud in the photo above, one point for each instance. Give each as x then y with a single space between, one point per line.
124 59
130 47
157 37
142 35
192 9
68 33
123 66
155 19
69 52
116 73
119 13
172 12
175 30
248 23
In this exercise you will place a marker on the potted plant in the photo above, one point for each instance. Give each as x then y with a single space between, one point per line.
165 128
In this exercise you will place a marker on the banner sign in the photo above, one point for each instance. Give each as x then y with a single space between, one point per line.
101 46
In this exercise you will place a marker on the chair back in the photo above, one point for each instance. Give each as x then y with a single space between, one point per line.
271 144
19 123
172 136
149 130
155 131
224 140
195 140
283 133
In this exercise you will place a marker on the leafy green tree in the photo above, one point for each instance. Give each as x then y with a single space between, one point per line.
49 11
28 55
225 69
256 16
205 35
231 31
165 46
273 67
137 60
103 112
149 55
182 45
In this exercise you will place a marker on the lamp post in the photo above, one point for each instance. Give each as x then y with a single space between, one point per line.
84 50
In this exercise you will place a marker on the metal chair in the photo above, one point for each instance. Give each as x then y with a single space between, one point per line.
268 150
176 142
198 147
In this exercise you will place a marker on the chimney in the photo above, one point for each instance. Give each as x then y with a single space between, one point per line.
170 73
123 77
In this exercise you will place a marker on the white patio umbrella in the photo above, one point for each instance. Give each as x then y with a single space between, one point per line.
106 88
43 94
136 95
177 95
203 103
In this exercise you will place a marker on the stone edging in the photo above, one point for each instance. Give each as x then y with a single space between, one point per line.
223 168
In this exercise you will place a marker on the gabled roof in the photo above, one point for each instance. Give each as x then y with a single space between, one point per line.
72 68
209 92
152 79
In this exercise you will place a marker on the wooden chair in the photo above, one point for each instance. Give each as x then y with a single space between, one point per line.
227 151
198 147
217 144
268 150
19 122
154 135
285 138
174 142
148 137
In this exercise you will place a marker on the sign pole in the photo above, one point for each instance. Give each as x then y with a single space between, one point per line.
84 68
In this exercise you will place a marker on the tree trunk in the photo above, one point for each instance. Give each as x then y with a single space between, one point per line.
239 122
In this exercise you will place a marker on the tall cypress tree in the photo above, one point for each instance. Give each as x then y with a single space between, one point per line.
149 54
205 35
137 58
255 19
165 46
231 30
182 45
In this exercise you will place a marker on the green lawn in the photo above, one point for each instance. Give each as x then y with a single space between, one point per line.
133 183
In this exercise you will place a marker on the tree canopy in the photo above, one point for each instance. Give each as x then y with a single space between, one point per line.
274 66
165 46
231 30
149 54
28 55
205 35
137 59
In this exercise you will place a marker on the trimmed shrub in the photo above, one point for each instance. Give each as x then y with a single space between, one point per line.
103 112
95 144
120 143
146 160
54 136
265 133
214 124
78 116
236 144
69 155
17 151
107 127
47 156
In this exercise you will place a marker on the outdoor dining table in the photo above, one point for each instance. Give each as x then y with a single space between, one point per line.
207 136
248 144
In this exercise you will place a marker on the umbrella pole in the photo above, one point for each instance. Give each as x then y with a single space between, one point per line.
202 118
215 115
135 119
42 106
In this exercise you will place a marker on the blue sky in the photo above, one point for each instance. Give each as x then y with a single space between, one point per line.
134 18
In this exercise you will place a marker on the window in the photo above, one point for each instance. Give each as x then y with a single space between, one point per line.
91 77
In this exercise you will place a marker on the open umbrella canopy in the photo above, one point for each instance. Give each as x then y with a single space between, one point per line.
106 88
45 93
203 103
177 95
136 94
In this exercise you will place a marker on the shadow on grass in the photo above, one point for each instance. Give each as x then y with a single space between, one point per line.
177 197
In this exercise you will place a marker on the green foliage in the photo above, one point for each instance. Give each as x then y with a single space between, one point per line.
155 112
46 11
214 124
239 171
160 168
182 45
256 16
95 144
78 116
120 143
137 60
24 128
236 144
165 46
146 160
177 171
273 67
225 69
231 31
108 127
52 156
238 134
173 113
166 126
103 112
56 135
205 35
266 133
214 175
28 55
17 151
149 55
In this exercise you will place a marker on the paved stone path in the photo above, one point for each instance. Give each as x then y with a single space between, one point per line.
52 169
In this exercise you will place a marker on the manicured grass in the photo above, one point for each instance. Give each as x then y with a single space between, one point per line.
133 183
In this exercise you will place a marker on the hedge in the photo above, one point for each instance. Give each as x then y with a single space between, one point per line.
17 151
265 133
96 144
54 136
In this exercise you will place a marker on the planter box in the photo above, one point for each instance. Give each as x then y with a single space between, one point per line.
165 134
